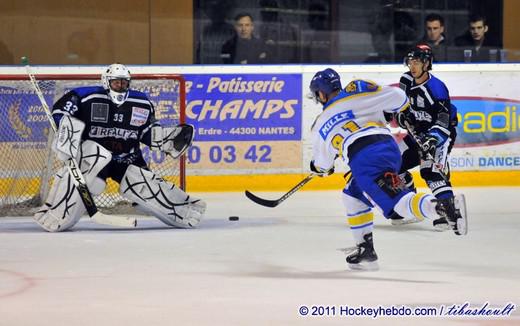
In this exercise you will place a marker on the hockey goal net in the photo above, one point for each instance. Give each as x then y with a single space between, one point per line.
26 162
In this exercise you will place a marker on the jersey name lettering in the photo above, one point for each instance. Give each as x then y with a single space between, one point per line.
421 115
101 132
335 120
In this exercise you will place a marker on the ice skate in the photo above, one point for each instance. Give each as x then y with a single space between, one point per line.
396 219
441 224
454 210
363 256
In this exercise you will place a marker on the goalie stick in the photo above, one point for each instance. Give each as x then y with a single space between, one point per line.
79 180
276 202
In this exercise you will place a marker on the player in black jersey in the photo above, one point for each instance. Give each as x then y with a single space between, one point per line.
431 122
102 127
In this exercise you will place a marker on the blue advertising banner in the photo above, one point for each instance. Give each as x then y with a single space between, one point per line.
487 121
22 115
245 107
245 121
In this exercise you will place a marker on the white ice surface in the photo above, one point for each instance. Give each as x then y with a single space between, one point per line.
259 270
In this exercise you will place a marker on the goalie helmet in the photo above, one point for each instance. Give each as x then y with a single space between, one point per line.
422 52
326 81
116 71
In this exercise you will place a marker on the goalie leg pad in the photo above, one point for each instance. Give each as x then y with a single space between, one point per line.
63 207
162 199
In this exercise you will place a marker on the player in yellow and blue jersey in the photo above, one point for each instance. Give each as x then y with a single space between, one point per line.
353 127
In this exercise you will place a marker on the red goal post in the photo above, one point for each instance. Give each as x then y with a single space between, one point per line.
26 162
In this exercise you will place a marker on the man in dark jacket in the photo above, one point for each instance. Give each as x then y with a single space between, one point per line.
244 47
434 36
474 44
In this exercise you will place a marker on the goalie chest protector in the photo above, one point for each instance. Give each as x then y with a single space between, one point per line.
117 128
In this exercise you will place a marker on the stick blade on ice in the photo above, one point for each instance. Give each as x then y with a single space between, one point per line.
261 201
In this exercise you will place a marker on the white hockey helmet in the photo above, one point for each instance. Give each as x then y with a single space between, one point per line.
116 71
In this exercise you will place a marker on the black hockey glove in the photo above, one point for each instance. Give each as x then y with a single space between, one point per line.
429 146
320 172
404 119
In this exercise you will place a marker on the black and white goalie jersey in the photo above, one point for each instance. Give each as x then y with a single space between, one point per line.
431 109
119 129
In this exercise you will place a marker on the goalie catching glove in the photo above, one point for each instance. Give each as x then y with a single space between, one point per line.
172 140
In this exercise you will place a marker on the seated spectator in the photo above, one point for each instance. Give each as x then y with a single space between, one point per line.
474 45
244 47
434 36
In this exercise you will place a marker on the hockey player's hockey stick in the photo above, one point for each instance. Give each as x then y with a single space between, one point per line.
276 202
79 180
429 156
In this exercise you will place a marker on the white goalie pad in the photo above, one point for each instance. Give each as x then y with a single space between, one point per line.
172 140
67 140
162 199
63 207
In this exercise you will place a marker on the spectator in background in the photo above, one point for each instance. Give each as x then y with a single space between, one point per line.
473 45
281 38
244 47
215 33
434 36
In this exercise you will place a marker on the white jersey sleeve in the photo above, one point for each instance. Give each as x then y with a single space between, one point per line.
396 99
323 152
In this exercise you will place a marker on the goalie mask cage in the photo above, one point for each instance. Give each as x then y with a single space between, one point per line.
27 164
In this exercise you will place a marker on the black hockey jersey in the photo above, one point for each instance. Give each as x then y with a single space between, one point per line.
120 129
431 108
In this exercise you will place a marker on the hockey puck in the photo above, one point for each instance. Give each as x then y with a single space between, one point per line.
233 218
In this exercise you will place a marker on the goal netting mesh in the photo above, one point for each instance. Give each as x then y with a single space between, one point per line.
26 162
